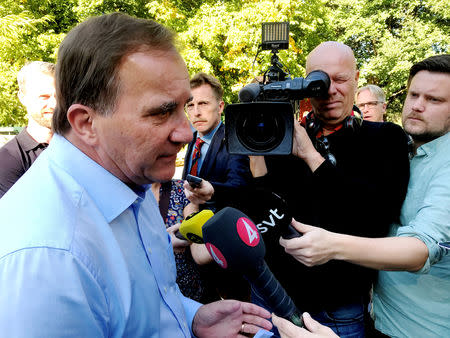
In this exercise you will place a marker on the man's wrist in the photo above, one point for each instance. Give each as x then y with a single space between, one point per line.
339 244
313 160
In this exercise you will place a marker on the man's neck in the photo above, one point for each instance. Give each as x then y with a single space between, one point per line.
155 190
211 132
39 133
330 126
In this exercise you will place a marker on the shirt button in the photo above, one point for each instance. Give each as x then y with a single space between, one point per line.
149 250
165 289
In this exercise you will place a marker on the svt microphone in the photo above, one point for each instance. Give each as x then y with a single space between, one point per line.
269 211
191 226
234 242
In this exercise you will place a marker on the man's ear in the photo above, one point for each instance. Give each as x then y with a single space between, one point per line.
356 79
21 97
81 120
221 106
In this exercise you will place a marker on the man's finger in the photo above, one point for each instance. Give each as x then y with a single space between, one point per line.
301 227
286 328
256 323
315 327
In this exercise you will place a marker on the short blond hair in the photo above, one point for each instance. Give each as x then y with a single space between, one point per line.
33 67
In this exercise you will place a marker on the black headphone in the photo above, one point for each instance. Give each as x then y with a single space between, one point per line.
313 126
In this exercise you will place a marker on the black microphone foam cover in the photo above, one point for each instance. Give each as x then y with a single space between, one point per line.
269 211
249 93
233 240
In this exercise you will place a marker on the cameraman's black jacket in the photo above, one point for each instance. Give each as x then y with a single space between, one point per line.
361 195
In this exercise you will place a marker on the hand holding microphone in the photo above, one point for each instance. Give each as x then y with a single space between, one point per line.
234 242
312 328
198 191
191 227
270 213
315 246
177 243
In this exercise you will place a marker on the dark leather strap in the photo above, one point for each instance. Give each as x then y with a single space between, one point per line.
164 197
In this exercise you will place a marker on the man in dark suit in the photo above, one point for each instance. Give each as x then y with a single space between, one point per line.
222 173
207 156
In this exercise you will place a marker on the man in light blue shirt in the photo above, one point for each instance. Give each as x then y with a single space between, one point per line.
412 295
90 257
418 304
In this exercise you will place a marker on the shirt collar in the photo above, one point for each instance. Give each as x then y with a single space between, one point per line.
27 142
208 137
432 147
109 194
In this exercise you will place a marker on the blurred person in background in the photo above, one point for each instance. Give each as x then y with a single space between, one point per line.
37 94
371 101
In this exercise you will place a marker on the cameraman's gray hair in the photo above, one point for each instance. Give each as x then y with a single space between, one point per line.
33 67
375 90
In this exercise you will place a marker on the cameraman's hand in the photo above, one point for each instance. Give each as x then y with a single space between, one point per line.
199 195
317 246
302 147
257 166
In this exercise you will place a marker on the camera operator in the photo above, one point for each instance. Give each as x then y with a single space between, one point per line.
354 183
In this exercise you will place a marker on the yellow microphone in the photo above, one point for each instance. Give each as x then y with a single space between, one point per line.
191 227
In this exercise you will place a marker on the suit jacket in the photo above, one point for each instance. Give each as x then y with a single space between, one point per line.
227 173
223 170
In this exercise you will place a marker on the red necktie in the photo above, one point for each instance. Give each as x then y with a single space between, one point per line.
196 156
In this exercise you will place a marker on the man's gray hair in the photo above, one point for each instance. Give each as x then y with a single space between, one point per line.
375 90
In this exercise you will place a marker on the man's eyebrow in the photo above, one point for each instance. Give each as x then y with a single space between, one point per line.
343 76
165 107
190 99
435 96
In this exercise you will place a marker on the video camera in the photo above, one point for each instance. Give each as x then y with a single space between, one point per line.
263 123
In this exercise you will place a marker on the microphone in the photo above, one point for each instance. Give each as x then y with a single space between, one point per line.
234 242
191 226
269 211
250 92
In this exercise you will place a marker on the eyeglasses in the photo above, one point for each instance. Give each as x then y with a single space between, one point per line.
369 104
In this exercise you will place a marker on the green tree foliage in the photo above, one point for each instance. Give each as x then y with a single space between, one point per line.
27 33
222 37
388 37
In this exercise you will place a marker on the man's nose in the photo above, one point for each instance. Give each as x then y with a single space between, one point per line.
182 132
418 104
197 110
332 88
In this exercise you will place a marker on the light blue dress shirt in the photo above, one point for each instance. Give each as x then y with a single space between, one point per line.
418 304
207 138
83 255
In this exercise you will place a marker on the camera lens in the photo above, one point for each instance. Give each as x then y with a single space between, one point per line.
260 131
